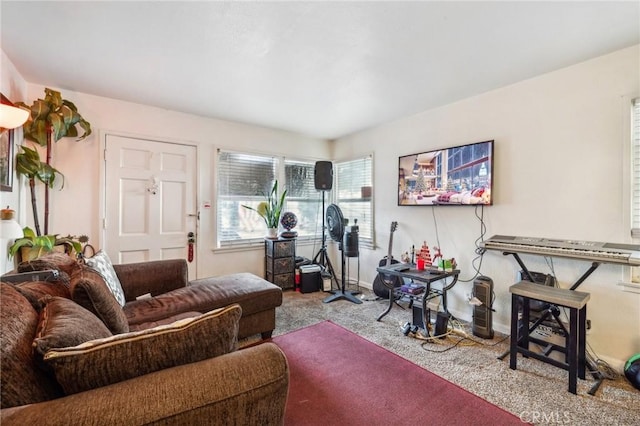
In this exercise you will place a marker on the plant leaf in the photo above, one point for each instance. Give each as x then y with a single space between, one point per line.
18 245
28 232
53 97
54 114
57 126
86 126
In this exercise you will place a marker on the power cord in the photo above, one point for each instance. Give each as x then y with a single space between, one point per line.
454 329
476 262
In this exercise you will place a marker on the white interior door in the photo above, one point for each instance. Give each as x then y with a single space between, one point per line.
150 200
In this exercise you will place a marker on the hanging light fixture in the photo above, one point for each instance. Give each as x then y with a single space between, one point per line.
8 225
11 116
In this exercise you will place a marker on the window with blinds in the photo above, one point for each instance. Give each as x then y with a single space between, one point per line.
246 179
243 179
302 198
635 184
353 194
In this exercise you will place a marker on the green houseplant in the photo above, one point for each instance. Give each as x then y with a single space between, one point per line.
28 164
270 209
51 119
32 246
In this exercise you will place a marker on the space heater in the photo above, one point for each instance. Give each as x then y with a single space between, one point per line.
483 314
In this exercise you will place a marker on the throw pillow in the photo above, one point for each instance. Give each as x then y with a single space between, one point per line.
102 265
89 290
64 323
36 290
59 261
105 361
22 382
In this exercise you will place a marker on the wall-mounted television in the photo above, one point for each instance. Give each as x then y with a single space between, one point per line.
459 175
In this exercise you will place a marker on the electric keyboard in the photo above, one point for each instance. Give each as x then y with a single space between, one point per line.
627 254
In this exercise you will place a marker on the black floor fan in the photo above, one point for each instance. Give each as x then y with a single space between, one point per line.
335 225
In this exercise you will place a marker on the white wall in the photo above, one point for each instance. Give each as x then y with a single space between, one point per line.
13 86
76 208
82 178
559 158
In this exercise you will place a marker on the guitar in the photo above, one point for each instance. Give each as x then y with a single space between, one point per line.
383 283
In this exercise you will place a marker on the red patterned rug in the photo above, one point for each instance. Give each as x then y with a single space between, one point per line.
340 378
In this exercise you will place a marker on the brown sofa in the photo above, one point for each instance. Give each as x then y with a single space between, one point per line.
179 367
172 294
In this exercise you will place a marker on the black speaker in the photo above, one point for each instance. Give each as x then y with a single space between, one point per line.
442 322
419 319
323 175
350 241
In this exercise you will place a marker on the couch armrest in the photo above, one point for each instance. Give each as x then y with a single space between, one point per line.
236 388
155 277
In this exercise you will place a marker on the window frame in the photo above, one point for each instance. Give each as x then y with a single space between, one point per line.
365 241
281 163
315 236
635 167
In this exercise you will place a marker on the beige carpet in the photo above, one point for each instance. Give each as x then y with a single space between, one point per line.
536 392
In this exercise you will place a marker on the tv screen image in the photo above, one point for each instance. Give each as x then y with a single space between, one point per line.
459 175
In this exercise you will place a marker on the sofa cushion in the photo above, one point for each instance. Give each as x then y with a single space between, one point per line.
102 265
104 361
36 290
251 292
64 323
21 382
58 261
165 321
89 290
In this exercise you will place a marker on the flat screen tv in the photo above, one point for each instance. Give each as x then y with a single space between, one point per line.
460 175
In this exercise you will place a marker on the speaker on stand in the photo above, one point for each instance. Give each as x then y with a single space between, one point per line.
323 180
323 175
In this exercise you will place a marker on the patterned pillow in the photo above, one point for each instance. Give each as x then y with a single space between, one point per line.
105 361
102 265
89 290
64 323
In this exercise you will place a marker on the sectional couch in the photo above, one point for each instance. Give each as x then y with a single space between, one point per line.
72 353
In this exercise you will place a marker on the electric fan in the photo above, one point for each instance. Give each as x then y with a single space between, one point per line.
335 226
335 222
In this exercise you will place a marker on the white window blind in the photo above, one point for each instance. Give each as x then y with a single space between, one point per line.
353 194
302 197
243 179
246 179
635 184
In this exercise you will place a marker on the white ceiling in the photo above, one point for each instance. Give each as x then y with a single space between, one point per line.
323 69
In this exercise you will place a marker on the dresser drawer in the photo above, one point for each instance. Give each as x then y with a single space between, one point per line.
281 248
284 281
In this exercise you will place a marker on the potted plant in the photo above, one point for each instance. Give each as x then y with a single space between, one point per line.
52 118
28 164
270 210
32 246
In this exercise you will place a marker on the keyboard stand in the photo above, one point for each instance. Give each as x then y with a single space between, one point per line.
552 311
